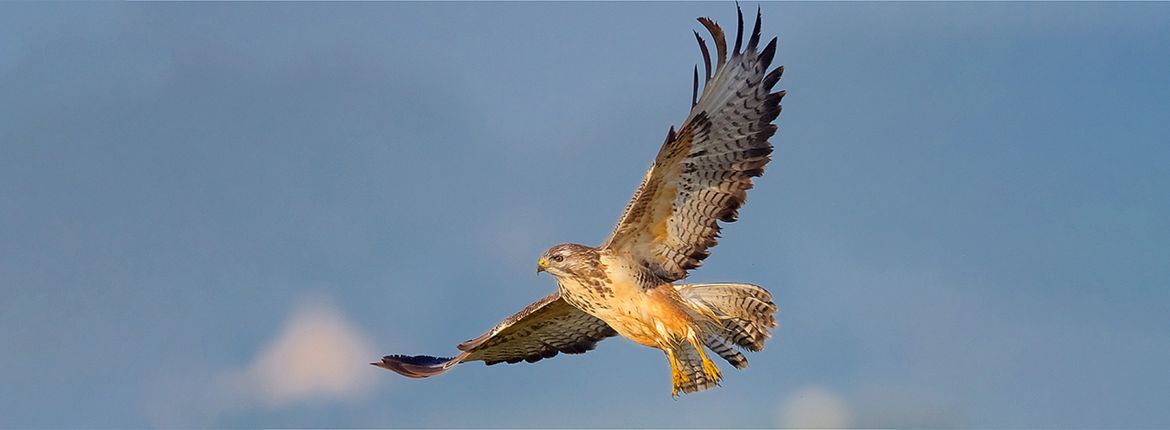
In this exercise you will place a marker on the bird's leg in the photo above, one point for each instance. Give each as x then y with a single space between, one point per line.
708 366
677 378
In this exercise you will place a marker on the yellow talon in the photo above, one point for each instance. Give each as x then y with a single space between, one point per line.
677 378
710 369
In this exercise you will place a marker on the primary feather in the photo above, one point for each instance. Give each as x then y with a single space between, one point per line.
703 171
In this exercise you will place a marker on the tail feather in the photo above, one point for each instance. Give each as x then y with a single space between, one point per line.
721 346
740 314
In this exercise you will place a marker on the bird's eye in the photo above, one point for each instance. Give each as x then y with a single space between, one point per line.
558 258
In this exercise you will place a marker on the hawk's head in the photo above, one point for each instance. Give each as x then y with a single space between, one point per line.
568 259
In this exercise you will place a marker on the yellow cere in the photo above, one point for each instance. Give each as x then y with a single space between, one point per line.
542 263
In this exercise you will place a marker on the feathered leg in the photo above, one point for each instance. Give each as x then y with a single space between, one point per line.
690 369
678 379
709 369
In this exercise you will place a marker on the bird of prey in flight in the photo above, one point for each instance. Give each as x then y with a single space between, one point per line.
628 285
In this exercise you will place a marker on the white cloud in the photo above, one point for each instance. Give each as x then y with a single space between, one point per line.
318 355
814 407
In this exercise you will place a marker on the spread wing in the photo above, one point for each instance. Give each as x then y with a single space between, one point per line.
541 330
702 173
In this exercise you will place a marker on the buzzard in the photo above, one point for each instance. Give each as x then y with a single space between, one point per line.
627 286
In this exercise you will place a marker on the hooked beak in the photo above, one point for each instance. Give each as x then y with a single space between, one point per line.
540 265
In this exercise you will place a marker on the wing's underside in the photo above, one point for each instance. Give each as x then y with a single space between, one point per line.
703 171
542 330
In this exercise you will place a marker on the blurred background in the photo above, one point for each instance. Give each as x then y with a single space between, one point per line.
216 214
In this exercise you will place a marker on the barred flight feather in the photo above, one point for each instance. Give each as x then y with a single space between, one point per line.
703 170
542 330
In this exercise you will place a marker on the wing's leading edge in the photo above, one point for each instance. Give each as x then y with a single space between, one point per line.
542 330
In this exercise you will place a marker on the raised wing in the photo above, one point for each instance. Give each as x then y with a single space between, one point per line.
541 330
702 173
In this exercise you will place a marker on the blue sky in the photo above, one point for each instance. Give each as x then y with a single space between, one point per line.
216 214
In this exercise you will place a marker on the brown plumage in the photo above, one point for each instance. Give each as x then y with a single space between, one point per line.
626 286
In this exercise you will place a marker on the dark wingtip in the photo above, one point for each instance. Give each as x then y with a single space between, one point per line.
718 38
772 78
695 88
738 29
706 55
768 53
755 40
415 366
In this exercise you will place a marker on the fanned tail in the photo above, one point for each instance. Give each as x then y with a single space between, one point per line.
735 314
